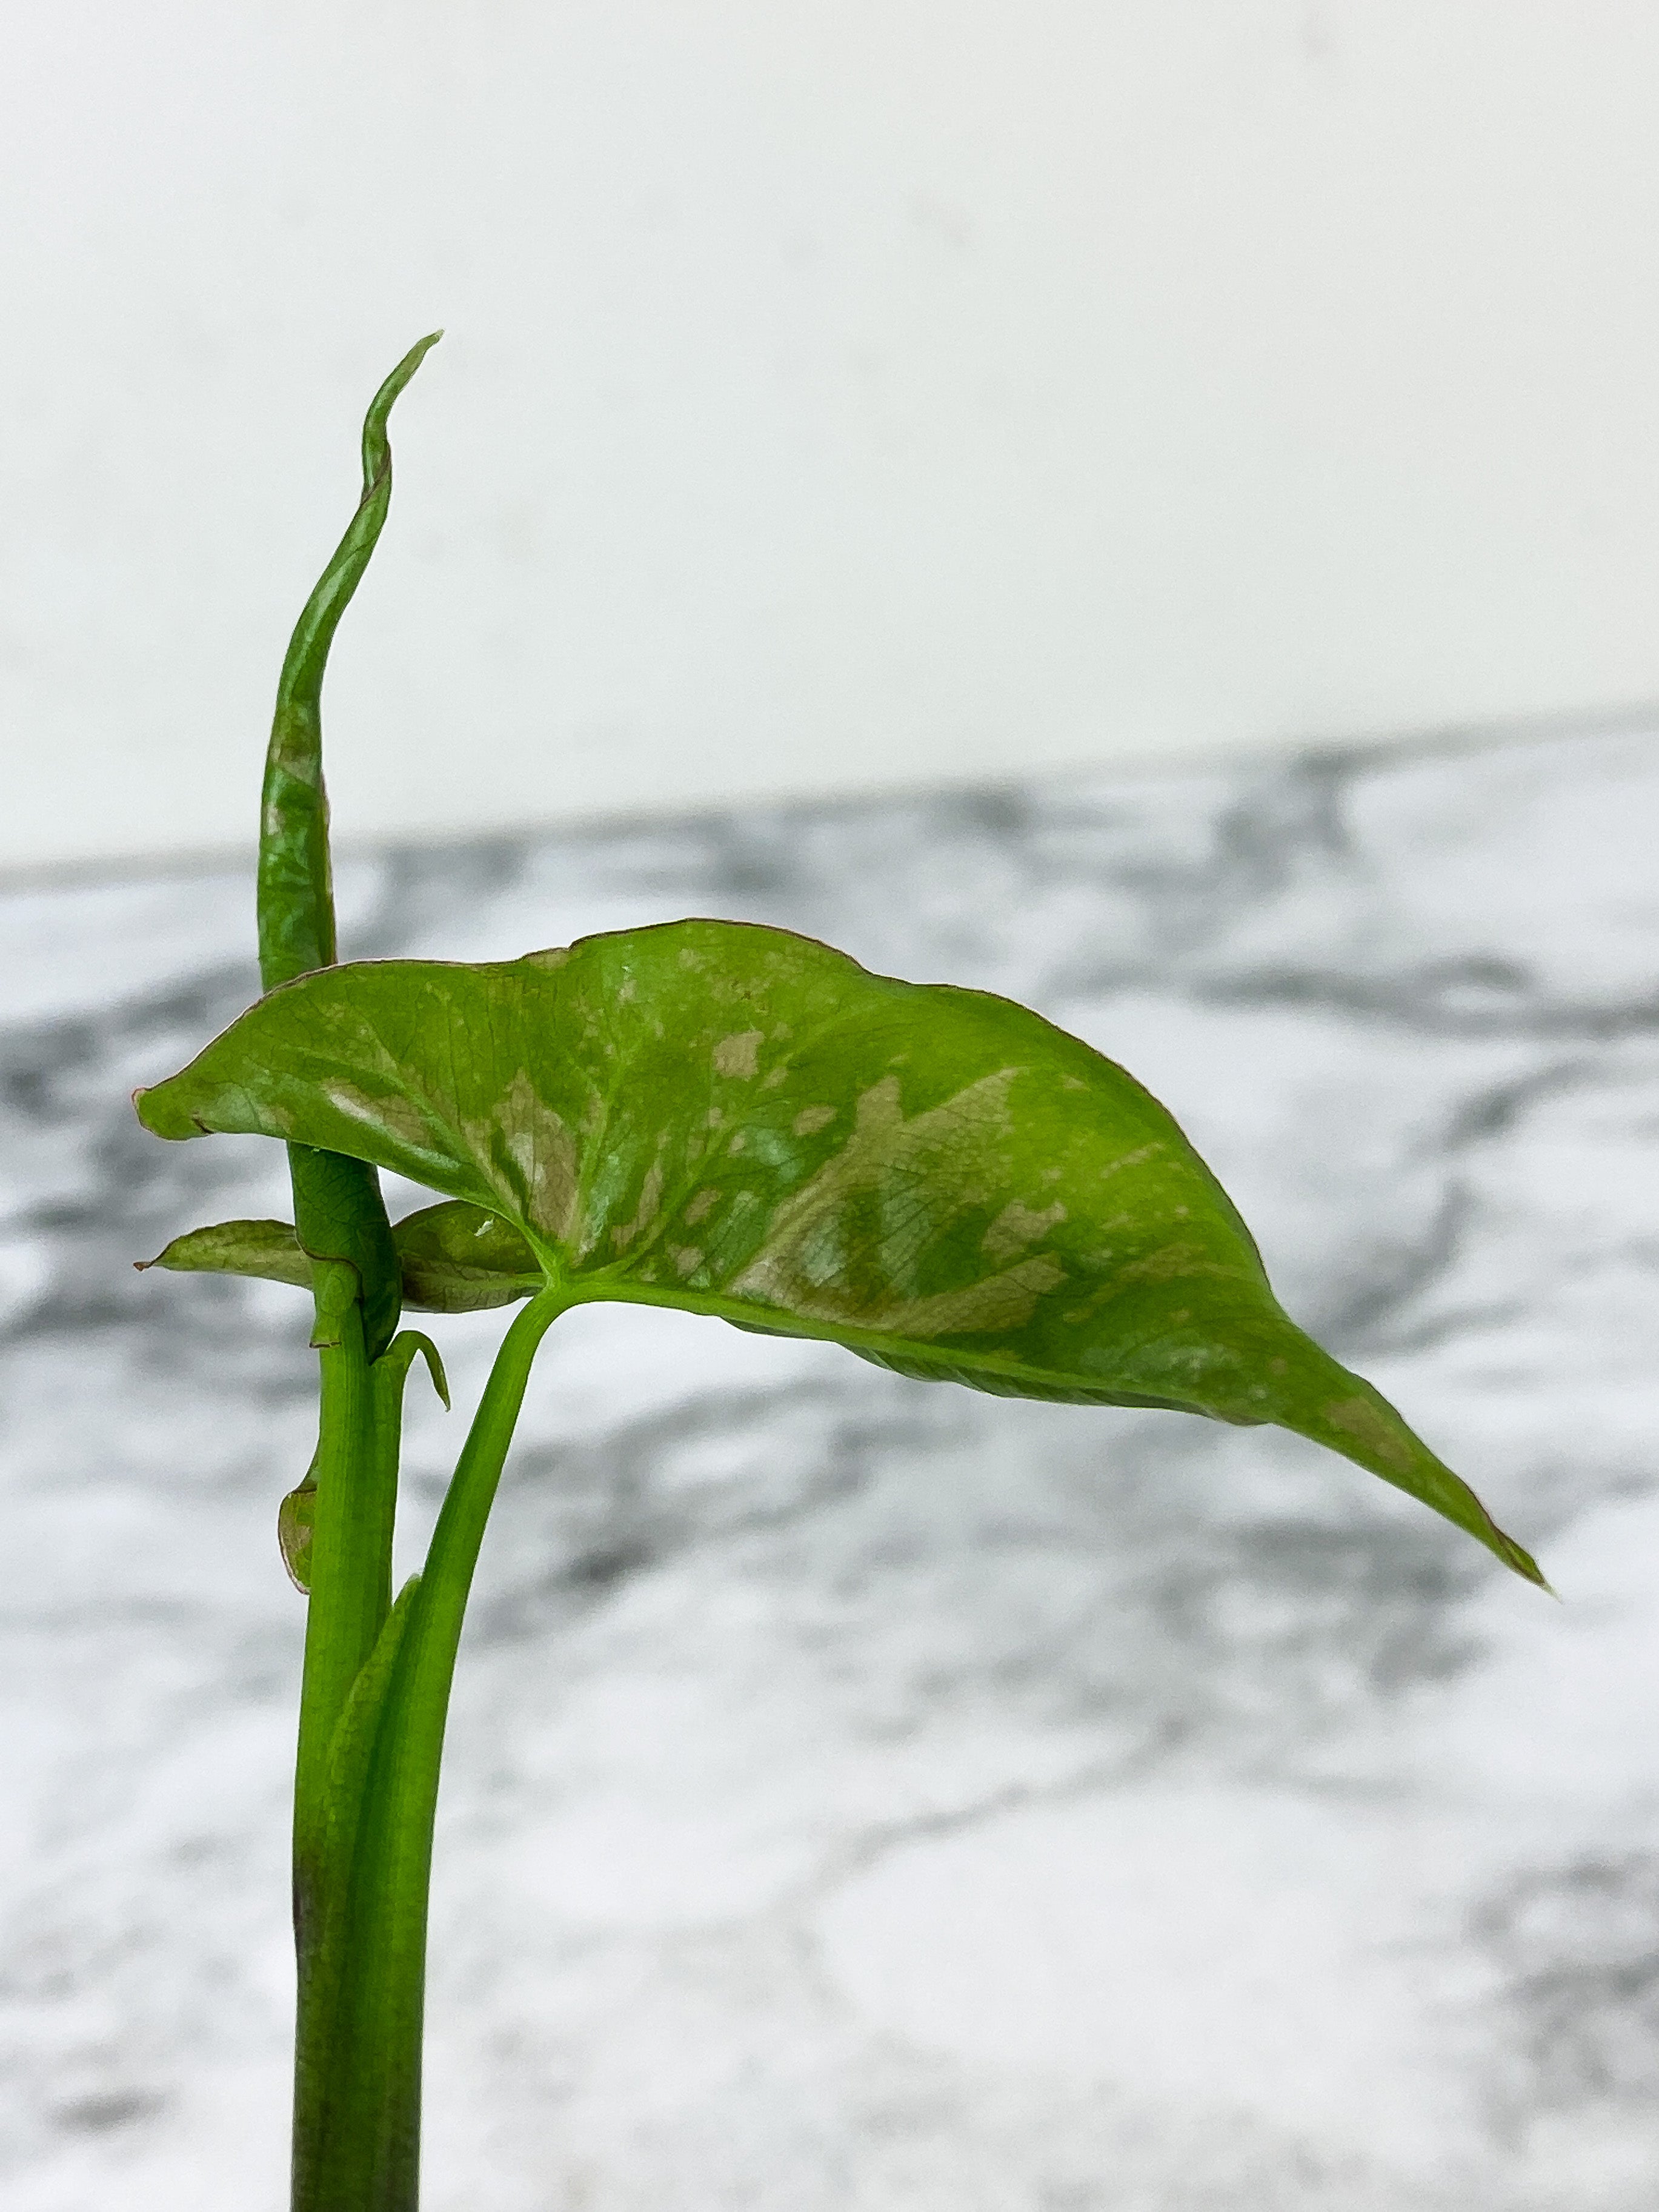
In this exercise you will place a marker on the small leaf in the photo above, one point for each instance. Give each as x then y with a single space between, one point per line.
296 1518
458 1259
455 1258
742 1122
268 1251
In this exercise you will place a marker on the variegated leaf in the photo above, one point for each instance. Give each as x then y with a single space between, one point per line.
743 1123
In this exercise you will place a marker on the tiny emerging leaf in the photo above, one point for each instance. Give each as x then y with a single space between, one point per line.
742 1122
336 1201
400 1355
296 1521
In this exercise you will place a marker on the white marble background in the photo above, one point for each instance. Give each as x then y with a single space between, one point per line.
864 1797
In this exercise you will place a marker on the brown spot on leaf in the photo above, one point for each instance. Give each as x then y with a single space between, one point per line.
1016 1226
1171 1263
849 1245
738 1056
542 1181
623 1234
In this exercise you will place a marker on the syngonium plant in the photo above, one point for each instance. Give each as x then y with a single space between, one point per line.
730 1120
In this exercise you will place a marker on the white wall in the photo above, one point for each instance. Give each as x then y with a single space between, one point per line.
834 396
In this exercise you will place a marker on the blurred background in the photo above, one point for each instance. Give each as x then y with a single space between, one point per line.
1151 508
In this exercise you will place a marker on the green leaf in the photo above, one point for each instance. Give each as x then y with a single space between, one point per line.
742 1122
268 1251
454 1258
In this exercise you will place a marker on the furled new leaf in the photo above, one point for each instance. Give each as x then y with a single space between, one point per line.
295 891
336 1201
743 1123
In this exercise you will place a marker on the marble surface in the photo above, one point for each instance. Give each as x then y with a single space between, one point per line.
863 1795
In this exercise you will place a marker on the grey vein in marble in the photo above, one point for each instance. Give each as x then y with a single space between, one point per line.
864 1797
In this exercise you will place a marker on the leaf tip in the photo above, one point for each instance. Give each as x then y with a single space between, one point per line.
435 1368
1521 1562
163 1114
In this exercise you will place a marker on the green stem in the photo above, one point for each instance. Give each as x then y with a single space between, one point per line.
358 2087
350 1570
356 1478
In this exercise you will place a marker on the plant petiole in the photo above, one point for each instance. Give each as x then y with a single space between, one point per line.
358 2074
